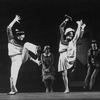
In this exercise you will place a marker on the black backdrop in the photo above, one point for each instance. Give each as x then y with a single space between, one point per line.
40 19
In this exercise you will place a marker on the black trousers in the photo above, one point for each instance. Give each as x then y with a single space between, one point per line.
91 76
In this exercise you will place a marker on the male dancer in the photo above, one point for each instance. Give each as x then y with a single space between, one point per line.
93 64
18 52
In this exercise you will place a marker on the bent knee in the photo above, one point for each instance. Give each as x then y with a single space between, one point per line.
26 44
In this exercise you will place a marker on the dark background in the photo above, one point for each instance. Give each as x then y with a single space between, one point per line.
40 19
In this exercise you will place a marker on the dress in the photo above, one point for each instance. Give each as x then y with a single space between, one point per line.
47 66
67 56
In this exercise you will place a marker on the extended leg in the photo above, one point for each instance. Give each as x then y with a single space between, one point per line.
26 48
31 47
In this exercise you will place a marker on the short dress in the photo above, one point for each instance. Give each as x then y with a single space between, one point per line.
48 70
67 56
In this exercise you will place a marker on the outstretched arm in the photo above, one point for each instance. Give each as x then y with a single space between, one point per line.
61 27
16 19
82 30
78 31
9 27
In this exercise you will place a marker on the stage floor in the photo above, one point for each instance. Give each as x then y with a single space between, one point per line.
52 96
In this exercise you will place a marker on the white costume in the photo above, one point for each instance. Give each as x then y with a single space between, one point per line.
67 49
67 57
68 52
18 54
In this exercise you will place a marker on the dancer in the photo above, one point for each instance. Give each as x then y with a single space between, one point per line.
67 48
93 64
18 52
47 60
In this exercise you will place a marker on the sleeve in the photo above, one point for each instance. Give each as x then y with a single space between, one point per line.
77 34
88 58
9 33
61 27
51 67
42 58
43 65
52 57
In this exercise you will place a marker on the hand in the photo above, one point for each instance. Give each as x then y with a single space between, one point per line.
46 70
38 62
17 18
72 70
88 65
66 19
79 22
83 26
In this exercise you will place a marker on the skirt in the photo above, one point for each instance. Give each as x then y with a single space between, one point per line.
63 63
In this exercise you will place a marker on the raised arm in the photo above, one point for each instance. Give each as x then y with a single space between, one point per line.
82 30
9 27
63 24
61 27
16 19
78 31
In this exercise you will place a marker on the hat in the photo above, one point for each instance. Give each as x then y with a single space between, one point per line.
69 30
19 32
93 41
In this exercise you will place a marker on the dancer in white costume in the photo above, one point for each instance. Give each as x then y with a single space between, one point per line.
67 48
18 52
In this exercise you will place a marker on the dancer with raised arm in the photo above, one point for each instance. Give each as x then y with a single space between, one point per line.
18 52
67 48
